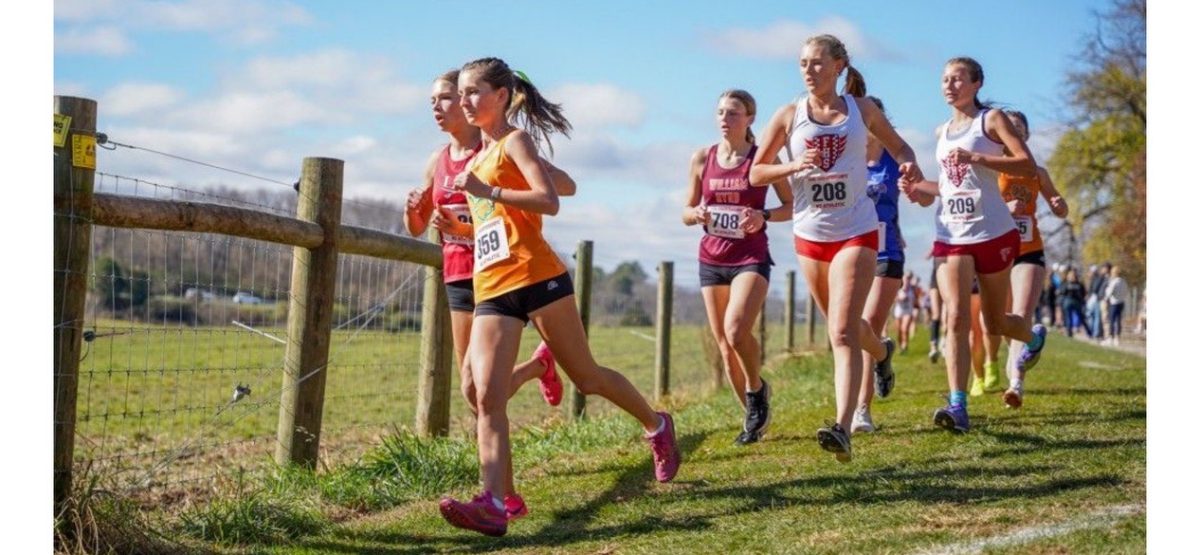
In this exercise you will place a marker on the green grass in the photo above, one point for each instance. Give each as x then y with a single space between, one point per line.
1078 447
150 393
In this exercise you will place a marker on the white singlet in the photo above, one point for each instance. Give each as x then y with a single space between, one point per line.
970 209
830 202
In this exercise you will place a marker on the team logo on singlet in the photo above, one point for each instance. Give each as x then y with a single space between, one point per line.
955 172
829 148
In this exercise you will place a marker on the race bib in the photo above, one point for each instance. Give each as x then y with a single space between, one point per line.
882 236
962 207
1024 227
725 221
462 213
827 191
491 244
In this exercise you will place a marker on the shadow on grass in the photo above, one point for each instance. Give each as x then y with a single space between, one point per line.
1023 444
942 485
567 526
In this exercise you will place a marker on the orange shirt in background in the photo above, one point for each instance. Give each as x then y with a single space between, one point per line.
1027 190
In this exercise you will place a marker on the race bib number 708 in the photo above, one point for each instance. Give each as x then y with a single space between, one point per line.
725 221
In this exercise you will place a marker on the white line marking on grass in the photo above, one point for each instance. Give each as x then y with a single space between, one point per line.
642 335
1096 519
1098 365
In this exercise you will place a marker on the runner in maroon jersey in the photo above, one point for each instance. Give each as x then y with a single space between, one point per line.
735 263
436 203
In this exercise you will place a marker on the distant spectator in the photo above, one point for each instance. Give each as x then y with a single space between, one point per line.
1072 303
1116 293
1097 285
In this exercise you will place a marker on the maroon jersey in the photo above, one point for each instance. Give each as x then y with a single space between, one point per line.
457 252
726 192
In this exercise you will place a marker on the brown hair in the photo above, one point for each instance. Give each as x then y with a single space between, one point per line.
1018 115
855 84
747 100
451 76
526 106
974 71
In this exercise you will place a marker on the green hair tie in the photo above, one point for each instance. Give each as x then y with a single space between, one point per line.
523 77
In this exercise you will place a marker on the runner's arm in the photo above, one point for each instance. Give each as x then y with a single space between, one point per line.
693 215
416 218
762 172
1058 204
563 184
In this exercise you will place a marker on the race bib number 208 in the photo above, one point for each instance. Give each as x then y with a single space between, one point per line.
491 244
827 191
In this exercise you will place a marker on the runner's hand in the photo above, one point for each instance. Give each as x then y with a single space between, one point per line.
468 183
752 220
445 222
700 213
962 156
1016 206
1058 206
416 198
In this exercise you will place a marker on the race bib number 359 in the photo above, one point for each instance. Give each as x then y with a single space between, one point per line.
725 221
827 191
491 244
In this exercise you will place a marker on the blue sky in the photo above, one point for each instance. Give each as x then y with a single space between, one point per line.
259 84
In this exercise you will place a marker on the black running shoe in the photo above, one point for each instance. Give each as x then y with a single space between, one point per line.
758 411
835 440
885 379
746 438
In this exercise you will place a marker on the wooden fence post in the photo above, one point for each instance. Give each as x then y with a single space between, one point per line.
789 314
662 339
583 301
74 178
310 316
433 379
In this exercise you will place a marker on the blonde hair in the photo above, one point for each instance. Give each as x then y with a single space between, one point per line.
855 84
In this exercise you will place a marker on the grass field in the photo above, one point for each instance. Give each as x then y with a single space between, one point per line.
1065 474
155 396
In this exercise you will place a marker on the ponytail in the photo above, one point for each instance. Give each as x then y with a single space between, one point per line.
855 84
537 115
526 108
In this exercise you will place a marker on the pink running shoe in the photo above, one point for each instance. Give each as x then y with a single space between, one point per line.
665 451
514 505
480 515
551 386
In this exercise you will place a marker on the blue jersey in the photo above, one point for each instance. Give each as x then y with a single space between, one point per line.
882 188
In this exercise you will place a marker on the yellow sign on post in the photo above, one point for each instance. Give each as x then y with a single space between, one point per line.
83 151
62 124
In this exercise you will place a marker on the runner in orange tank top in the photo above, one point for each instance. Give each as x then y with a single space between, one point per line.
509 191
437 204
1029 270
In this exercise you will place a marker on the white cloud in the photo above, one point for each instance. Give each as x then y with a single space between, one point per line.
599 104
134 98
242 22
785 38
340 80
99 41
249 112
596 154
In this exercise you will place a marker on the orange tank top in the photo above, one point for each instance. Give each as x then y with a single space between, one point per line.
510 252
1027 190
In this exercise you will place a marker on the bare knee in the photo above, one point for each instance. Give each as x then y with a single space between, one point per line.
736 331
843 337
490 400
958 321
591 385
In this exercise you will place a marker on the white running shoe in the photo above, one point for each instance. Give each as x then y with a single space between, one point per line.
862 421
